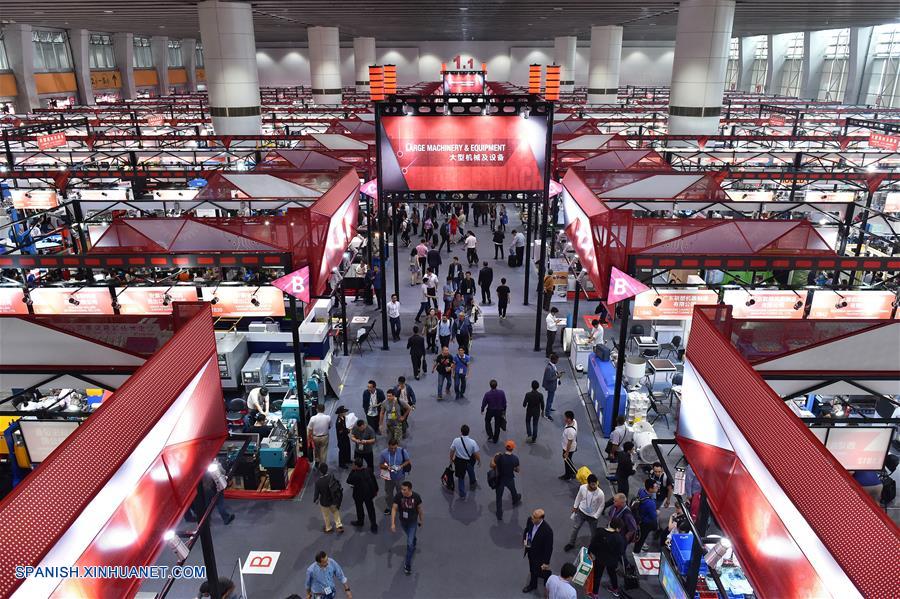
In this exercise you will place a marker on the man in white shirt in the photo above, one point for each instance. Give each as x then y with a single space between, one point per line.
471 253
618 437
553 324
518 246
560 587
596 333
317 430
393 312
569 445
258 399
588 505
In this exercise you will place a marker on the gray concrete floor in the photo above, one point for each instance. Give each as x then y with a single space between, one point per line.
463 550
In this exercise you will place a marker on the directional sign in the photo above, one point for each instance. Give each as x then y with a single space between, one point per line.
295 283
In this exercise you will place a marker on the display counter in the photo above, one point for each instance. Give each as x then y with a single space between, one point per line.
580 349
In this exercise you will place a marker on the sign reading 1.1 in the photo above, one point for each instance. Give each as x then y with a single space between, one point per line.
463 63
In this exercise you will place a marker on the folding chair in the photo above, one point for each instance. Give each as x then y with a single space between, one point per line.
362 336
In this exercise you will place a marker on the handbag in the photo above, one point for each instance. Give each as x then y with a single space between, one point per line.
447 479
501 421
492 478
408 467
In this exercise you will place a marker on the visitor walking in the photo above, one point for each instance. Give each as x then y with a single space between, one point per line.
502 298
363 439
499 238
471 244
606 550
462 330
460 371
464 455
648 517
393 464
343 436
431 329
416 346
507 466
537 539
328 493
317 430
624 467
393 312
589 503
443 365
534 407
485 279
371 401
569 445
393 413
493 407
445 330
408 507
550 383
518 246
365 489
321 578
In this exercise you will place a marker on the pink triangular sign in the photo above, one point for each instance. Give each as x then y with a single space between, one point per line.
296 284
622 286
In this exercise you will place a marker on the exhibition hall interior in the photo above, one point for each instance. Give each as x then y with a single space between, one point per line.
450 300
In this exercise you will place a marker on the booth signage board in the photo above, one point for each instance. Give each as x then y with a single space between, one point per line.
103 195
174 194
295 284
578 231
463 153
830 197
236 302
743 195
150 300
622 286
260 562
43 437
768 303
52 300
859 447
647 564
860 305
882 141
892 202
34 199
776 120
675 304
340 229
155 120
51 140
463 83
11 301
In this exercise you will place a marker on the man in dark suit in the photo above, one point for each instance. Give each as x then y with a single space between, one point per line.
372 398
538 542
416 347
485 279
433 259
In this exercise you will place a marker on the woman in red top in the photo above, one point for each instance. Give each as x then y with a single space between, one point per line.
454 227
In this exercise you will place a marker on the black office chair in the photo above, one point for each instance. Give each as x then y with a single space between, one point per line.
636 329
661 410
237 409
650 353
276 405
671 348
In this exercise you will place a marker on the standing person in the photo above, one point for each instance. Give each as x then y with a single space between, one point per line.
393 413
518 246
553 324
467 288
343 437
365 489
462 330
393 463
376 283
424 301
408 505
449 290
415 220
445 330
617 437
548 285
624 467
665 487
534 407
317 430
499 238
393 310
550 383
443 365
431 285
502 298
455 272
433 260
415 272
460 372
621 511
363 438
431 327
485 278
422 255
648 517
464 454
328 494
538 542
606 550
569 445
589 503
503 218
471 249
506 465
369 286
321 577
445 236
416 347
371 401
454 229
494 402
560 587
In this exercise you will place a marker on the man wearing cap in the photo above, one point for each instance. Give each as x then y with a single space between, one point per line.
506 465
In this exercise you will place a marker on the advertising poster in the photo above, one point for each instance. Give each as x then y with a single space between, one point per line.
34 199
463 83
152 300
235 302
830 197
882 141
11 301
89 300
766 303
673 305
744 195
858 447
463 153
860 304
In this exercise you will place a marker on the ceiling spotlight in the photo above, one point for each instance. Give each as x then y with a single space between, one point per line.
254 301
214 300
116 305
408 110
27 300
526 112
798 304
74 301
657 302
181 550
841 304
750 302
167 299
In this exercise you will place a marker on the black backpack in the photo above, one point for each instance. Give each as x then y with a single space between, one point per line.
888 490
336 491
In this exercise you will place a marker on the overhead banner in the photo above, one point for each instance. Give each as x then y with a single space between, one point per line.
844 305
673 304
764 303
463 153
11 301
34 199
463 83
882 141
743 195
830 197
55 300
295 283
51 140
237 302
153 300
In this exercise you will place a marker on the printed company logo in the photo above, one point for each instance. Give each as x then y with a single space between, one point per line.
647 564
295 284
622 286
260 562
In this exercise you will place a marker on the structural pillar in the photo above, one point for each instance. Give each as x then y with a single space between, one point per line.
159 49
80 45
778 46
229 59
702 44
815 43
363 58
325 64
20 54
746 58
564 56
856 64
123 51
189 58
606 59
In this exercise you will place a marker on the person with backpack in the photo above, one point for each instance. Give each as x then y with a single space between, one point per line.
462 330
506 465
460 371
646 509
445 236
365 489
624 467
443 365
464 454
620 509
329 495
499 238
606 550
394 464
394 412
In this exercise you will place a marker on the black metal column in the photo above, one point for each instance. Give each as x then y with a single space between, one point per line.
206 544
343 291
296 319
526 259
620 361
542 262
395 229
577 294
382 250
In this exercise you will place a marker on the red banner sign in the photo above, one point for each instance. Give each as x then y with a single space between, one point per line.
89 300
669 304
764 303
34 199
51 140
235 302
844 305
11 301
882 141
463 153
153 300
776 120
155 120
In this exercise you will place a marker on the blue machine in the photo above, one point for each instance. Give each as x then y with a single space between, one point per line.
290 409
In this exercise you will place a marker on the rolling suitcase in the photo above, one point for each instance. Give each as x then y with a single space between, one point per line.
511 260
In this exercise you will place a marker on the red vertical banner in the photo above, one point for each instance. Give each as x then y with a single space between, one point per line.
484 68
390 79
534 79
376 83
443 68
551 89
